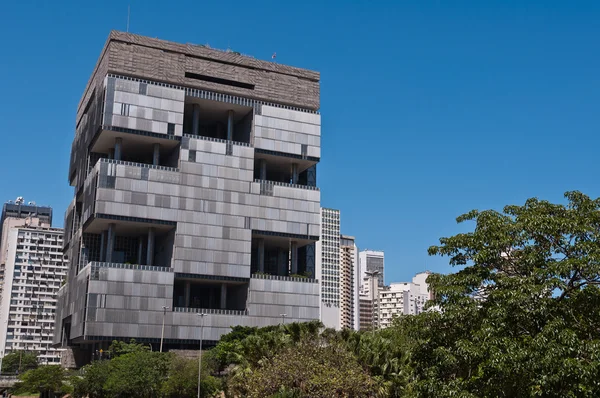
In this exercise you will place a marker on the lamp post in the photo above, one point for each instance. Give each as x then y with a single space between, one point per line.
374 290
283 318
201 315
162 333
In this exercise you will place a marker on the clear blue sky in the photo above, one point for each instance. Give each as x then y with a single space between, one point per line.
430 109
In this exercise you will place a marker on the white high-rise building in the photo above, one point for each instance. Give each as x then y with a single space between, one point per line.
404 298
328 267
34 269
370 261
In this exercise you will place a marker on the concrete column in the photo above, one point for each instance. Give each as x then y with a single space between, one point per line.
263 169
294 173
156 154
150 251
140 249
230 125
102 246
261 255
196 119
110 242
294 250
118 145
223 296
186 293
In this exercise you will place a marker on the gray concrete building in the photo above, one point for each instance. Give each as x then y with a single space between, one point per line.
195 178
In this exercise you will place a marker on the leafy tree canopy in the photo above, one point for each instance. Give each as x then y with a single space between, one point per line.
521 317
26 360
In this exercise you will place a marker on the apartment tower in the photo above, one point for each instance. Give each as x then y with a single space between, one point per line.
328 248
194 173
349 283
33 269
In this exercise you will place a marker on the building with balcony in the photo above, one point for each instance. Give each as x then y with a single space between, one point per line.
194 173
328 249
349 283
34 270
404 298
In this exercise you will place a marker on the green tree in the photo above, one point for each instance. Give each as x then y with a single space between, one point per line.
521 317
137 374
183 379
90 382
23 360
118 348
307 369
44 379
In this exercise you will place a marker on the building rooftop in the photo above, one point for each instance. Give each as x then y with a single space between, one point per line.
169 62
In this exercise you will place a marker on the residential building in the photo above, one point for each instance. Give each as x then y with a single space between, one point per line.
349 283
34 268
328 260
195 178
404 298
17 213
372 260
369 314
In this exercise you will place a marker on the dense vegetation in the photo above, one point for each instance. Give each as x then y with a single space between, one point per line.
520 318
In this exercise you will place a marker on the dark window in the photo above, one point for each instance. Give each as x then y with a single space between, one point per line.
170 129
192 156
219 80
125 109
143 88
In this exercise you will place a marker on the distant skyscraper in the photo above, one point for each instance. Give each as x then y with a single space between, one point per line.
328 248
371 260
349 283
33 269
404 298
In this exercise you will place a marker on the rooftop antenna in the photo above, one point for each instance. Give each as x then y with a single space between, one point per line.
128 13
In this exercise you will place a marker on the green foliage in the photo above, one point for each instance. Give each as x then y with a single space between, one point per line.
92 380
25 359
137 374
521 317
49 378
306 369
118 348
183 379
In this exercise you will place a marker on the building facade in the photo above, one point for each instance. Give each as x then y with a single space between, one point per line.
369 306
34 269
370 261
404 298
16 214
349 283
195 178
328 249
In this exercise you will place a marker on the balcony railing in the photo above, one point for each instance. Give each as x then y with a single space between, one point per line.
97 264
148 166
284 184
284 278
211 311
201 137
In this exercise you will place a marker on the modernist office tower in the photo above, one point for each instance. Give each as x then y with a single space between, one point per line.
34 269
349 283
329 267
194 173
370 261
